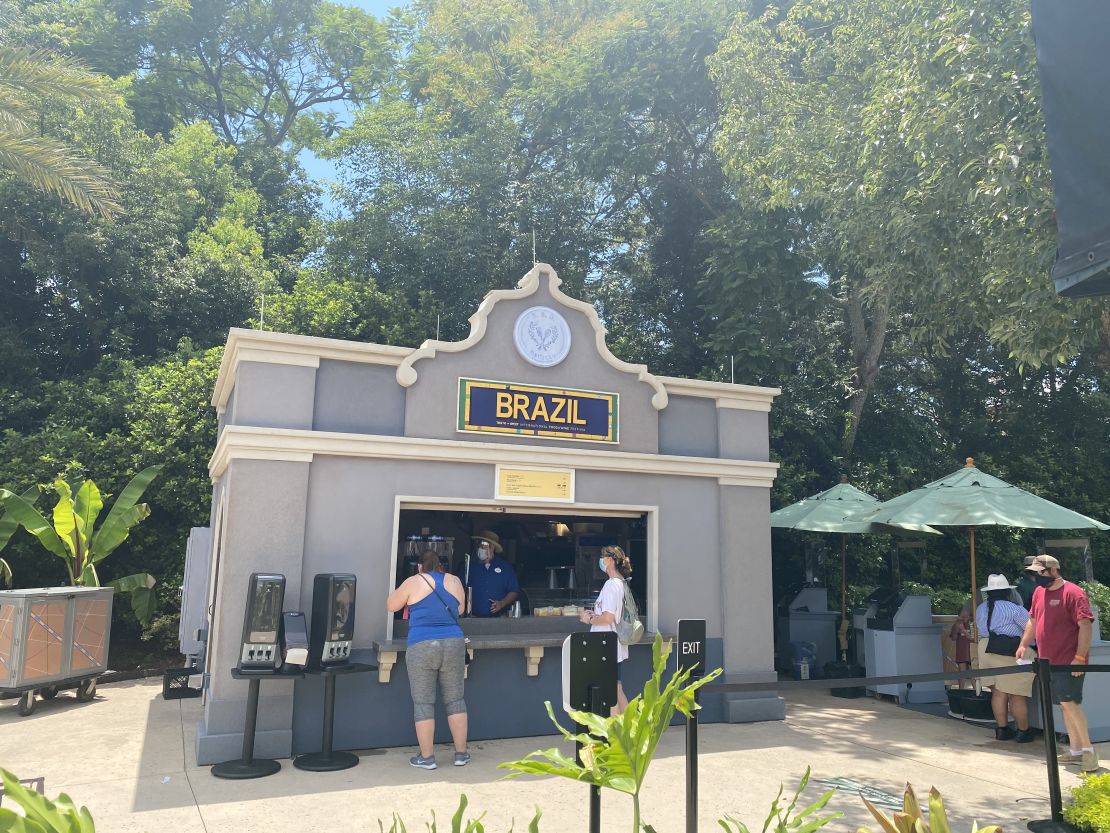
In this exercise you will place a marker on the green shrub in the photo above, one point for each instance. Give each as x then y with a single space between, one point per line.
948 602
1099 594
1090 804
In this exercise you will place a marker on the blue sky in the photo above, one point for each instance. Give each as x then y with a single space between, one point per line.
322 169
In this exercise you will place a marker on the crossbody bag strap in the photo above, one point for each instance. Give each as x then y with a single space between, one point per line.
451 610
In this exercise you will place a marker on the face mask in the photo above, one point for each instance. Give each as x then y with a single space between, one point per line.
1044 580
483 554
601 565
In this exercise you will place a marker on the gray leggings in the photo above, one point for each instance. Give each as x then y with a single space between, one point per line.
435 660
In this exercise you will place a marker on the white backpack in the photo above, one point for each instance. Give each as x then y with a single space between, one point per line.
630 629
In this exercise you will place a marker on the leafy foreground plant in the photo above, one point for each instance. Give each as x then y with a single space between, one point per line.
40 814
912 819
618 750
75 538
458 823
781 816
1090 805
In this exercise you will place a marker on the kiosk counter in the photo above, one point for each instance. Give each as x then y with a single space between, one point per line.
338 457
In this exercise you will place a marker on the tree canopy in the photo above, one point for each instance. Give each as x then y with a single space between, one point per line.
850 201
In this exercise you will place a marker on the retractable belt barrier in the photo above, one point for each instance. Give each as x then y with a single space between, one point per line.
1040 667
852 682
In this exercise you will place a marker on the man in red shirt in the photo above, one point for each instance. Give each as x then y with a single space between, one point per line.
1060 620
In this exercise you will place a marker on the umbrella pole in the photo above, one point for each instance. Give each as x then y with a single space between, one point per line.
975 635
843 597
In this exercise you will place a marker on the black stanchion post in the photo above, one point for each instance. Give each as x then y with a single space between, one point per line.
692 770
1044 679
691 655
595 792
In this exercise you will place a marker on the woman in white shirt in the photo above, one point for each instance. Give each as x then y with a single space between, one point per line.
607 610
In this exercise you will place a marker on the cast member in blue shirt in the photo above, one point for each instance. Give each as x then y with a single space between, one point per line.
492 582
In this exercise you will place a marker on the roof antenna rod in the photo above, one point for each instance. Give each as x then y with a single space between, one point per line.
262 313
533 247
732 366
437 327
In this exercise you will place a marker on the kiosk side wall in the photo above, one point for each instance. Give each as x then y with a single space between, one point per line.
263 528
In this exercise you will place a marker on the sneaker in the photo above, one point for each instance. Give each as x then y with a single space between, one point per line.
1066 756
1004 733
462 758
1089 762
1025 735
420 762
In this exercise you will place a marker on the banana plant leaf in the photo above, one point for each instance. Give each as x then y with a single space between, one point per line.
27 516
40 814
8 522
126 511
140 589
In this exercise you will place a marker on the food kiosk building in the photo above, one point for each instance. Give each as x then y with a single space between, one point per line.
336 456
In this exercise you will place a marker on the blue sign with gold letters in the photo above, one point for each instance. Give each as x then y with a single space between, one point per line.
532 410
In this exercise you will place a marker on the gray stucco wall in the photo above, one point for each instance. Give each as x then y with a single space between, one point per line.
263 531
274 395
431 407
688 427
358 398
743 435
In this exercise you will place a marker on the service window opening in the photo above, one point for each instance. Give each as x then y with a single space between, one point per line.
553 554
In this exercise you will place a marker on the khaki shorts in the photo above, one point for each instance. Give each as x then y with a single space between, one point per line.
1021 684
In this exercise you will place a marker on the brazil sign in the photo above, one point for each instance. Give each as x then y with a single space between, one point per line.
530 410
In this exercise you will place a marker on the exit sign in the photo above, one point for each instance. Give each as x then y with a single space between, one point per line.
691 646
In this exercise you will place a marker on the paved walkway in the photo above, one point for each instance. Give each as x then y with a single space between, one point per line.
128 757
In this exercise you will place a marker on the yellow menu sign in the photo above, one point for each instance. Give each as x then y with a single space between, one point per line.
535 484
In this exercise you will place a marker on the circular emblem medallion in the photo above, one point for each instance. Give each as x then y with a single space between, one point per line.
542 336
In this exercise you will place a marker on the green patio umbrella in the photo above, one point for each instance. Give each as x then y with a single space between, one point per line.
839 509
971 498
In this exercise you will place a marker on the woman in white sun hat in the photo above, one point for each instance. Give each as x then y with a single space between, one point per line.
1000 621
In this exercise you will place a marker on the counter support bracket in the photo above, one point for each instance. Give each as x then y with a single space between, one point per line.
386 661
532 656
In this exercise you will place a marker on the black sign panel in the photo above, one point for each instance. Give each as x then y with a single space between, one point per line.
691 646
589 664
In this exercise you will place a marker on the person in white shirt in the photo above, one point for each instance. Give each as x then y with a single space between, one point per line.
607 610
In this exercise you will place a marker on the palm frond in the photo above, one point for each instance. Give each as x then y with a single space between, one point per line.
40 73
53 167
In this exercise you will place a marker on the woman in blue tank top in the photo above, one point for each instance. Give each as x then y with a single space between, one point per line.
436 654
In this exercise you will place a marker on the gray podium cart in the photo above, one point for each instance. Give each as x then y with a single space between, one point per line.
808 619
905 642
53 638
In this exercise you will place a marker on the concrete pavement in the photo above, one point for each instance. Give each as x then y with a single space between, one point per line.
128 756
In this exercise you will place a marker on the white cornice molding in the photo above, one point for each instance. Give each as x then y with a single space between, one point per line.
286 348
526 287
241 442
741 397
